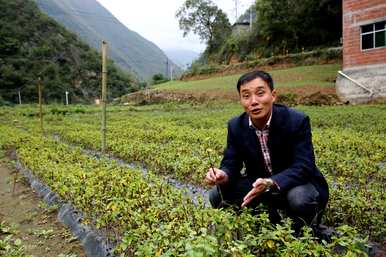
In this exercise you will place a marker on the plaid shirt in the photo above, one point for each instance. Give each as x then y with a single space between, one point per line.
262 135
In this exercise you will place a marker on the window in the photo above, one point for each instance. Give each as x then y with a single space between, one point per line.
373 35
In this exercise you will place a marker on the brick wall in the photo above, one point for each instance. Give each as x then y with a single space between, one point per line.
355 14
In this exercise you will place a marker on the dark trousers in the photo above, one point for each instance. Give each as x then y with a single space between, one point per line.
302 203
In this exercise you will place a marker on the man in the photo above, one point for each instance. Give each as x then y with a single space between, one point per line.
273 143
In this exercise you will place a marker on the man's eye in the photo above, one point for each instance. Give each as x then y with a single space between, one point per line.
245 96
260 93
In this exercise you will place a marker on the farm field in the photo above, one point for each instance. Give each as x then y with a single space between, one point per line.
109 140
305 85
151 218
319 76
28 227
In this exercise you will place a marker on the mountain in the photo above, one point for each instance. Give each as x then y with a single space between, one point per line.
248 16
94 23
183 58
35 49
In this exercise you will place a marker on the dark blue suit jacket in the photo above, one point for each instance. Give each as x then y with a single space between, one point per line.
290 146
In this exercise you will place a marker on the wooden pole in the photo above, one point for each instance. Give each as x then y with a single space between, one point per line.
250 18
19 97
104 93
40 104
66 97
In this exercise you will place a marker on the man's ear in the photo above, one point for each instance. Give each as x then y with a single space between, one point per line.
274 95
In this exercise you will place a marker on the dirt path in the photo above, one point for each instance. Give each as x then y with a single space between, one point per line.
40 234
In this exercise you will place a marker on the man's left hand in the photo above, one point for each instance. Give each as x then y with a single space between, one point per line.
259 187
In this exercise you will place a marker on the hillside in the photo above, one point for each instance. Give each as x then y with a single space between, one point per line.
93 23
296 77
279 27
309 85
33 45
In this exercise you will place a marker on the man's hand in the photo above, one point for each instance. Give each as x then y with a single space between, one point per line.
259 187
216 177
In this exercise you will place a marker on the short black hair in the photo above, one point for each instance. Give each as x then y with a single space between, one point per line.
247 77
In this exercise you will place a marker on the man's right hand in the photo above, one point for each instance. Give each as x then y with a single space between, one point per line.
216 177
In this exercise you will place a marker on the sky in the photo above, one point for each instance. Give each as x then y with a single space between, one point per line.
155 20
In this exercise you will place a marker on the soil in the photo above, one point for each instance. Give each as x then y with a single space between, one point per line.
36 225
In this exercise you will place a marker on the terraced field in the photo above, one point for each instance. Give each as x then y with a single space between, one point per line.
315 75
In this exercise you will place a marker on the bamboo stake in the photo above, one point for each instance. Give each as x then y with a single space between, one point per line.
40 104
19 97
104 93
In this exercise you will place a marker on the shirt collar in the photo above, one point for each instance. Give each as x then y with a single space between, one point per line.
266 125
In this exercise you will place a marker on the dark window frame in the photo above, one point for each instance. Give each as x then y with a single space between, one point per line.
373 32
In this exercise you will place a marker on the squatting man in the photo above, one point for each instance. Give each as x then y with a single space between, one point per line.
273 143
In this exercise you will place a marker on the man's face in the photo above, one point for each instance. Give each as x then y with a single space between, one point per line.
257 100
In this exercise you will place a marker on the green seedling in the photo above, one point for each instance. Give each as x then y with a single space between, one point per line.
209 151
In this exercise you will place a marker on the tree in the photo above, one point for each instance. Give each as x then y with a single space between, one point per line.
205 19
47 50
293 24
158 79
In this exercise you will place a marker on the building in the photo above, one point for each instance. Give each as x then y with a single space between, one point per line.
240 28
244 23
363 77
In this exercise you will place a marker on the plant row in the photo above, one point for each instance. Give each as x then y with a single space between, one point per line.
349 145
150 218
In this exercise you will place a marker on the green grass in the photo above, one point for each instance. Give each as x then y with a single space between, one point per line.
316 75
